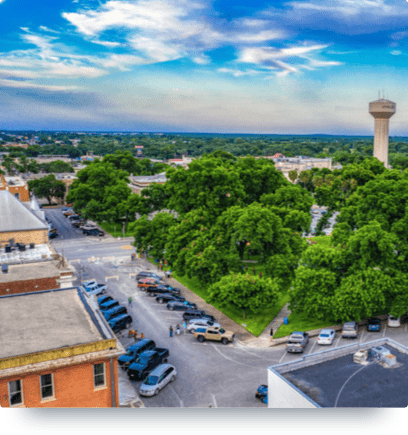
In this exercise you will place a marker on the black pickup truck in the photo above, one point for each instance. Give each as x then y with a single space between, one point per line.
146 362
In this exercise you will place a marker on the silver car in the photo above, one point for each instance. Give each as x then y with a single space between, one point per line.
158 379
350 330
193 324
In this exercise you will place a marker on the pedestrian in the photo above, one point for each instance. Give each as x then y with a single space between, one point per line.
135 335
130 301
178 329
246 268
271 333
171 331
142 336
253 270
165 262
184 327
170 273
260 274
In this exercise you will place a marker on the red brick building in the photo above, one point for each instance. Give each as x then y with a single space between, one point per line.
60 353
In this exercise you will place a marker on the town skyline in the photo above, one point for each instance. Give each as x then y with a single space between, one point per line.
300 67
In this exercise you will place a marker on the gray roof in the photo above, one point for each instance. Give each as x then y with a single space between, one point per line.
16 217
46 320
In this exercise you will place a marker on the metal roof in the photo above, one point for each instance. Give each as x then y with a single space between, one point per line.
15 217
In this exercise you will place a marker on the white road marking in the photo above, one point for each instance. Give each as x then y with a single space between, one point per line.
385 328
215 402
181 402
405 327
233 360
311 350
361 336
283 356
338 341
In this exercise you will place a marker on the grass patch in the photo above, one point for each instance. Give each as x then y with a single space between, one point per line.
302 322
255 323
115 230
321 240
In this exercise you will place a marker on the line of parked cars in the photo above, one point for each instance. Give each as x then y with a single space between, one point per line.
89 229
200 324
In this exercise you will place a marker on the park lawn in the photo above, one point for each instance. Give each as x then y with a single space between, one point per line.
302 322
114 230
255 322
321 240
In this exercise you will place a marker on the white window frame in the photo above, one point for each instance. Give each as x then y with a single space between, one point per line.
21 391
95 375
42 386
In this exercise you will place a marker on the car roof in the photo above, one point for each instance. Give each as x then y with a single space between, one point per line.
160 369
326 331
139 344
116 319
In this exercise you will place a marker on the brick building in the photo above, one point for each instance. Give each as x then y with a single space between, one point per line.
60 353
16 186
34 277
19 222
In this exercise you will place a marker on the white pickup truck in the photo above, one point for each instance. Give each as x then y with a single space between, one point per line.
93 288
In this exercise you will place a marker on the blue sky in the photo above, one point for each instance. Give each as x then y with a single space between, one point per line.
301 67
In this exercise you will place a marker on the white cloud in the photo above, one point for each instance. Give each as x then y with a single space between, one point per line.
28 85
107 43
201 60
47 29
265 35
237 73
396 52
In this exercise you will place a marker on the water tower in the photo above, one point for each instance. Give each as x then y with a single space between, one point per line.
382 110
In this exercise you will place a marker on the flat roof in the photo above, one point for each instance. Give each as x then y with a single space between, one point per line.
23 272
337 381
36 322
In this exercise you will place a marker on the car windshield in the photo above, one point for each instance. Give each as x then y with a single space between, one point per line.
222 330
151 380
324 335
130 353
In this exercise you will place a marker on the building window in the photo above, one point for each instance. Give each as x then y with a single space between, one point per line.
17 195
99 375
47 388
15 393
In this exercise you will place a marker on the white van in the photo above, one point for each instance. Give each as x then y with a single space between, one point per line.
158 379
394 322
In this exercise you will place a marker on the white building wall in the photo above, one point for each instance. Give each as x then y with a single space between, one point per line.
281 394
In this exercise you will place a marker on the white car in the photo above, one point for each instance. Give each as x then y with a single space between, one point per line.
326 336
193 324
394 322
158 379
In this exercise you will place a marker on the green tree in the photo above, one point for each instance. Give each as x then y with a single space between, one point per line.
48 187
293 175
244 292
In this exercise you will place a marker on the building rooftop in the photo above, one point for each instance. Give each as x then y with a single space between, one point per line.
23 272
331 378
16 217
47 320
157 178
38 253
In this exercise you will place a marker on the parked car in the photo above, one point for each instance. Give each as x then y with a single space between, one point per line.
94 288
193 324
170 289
181 306
147 282
214 334
52 234
197 314
88 226
154 290
77 223
108 305
73 217
121 322
146 362
168 297
94 232
145 274
394 322
114 312
158 379
262 393
349 330
297 342
68 213
326 336
374 325
134 351
102 299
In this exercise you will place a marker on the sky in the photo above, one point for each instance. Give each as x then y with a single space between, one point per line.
223 66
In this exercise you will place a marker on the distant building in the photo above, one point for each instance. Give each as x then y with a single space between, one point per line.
140 182
60 353
184 162
301 163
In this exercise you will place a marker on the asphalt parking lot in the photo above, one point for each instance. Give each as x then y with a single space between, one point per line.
63 226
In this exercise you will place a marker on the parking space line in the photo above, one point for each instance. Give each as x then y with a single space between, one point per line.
283 356
338 341
405 327
385 328
361 336
311 350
